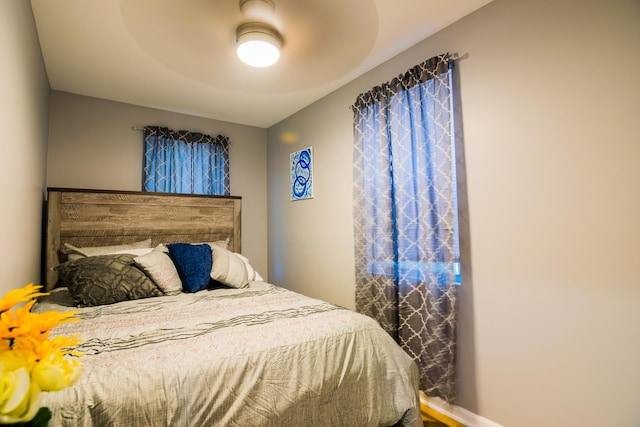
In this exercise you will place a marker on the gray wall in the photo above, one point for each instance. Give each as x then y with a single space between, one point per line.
550 300
23 124
92 145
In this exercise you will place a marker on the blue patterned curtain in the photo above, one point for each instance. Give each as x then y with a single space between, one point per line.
185 162
405 217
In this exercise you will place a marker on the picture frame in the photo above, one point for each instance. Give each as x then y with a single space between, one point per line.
301 174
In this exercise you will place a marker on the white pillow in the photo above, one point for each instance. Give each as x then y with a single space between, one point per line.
136 252
160 268
74 253
252 274
228 268
222 243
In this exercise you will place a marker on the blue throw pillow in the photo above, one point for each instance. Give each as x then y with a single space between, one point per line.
193 263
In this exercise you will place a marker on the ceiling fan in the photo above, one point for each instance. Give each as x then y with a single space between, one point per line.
257 38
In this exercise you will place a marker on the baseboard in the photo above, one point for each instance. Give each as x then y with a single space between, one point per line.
457 415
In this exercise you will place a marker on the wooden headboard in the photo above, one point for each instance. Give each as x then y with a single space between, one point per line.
86 218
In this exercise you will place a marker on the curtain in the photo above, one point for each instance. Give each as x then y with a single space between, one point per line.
405 217
185 162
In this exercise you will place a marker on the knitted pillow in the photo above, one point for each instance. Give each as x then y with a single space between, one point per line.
193 263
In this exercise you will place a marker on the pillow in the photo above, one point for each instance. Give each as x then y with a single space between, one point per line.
252 274
222 243
55 297
193 263
136 252
159 267
105 279
76 253
228 268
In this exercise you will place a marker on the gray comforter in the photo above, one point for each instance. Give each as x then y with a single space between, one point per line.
260 356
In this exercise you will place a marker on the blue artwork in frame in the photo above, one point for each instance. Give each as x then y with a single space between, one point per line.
302 174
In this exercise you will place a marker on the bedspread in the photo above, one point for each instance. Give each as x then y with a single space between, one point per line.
260 356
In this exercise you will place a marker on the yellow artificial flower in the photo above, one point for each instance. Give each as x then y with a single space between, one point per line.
30 360
19 396
42 350
56 372
12 326
31 330
17 296
46 321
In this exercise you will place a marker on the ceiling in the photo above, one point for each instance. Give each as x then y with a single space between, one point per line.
179 55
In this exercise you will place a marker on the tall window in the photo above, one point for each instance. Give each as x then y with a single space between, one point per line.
185 162
405 216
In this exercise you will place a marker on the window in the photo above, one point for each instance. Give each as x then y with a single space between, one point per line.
405 176
185 162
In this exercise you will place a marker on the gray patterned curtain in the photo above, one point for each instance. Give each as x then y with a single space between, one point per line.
405 217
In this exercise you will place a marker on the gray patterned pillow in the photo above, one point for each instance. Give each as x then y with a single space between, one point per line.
105 279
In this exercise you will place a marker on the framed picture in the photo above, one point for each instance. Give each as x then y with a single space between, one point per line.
302 174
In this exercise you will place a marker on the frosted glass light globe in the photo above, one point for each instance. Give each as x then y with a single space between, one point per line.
258 53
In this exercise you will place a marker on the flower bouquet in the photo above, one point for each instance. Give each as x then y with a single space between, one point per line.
31 361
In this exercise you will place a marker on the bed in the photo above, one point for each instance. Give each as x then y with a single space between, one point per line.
226 355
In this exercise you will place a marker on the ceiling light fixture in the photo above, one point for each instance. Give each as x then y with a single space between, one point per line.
258 40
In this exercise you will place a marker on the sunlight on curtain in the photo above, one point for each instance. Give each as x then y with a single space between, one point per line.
405 217
185 162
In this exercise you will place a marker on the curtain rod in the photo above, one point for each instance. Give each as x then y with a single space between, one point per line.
137 128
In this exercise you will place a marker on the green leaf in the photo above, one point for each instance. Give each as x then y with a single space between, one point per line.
40 420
